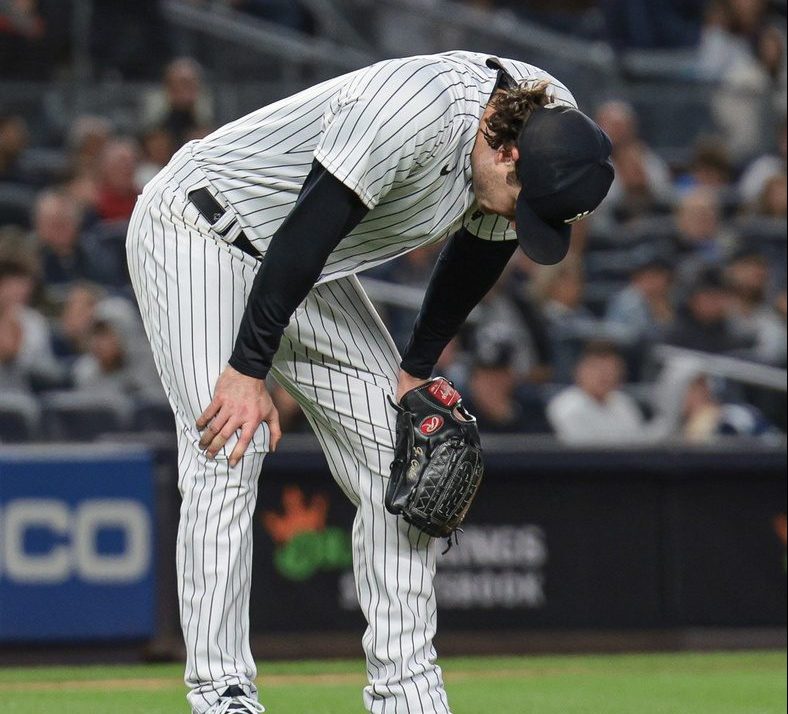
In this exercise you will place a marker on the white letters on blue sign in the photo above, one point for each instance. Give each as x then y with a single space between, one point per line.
73 534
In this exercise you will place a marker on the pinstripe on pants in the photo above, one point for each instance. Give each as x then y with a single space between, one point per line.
338 361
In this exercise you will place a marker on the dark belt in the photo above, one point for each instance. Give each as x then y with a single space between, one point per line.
211 211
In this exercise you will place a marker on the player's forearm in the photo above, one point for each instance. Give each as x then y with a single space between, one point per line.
326 211
466 270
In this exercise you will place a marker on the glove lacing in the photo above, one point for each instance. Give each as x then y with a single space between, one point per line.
452 540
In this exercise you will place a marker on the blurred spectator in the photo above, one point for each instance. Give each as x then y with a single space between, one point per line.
12 375
118 359
128 38
182 106
643 181
87 138
25 352
489 393
63 254
752 318
756 175
500 314
559 291
618 120
117 187
743 51
781 304
706 417
594 411
633 194
772 202
702 322
72 328
644 308
516 286
702 240
24 50
158 146
710 166
14 139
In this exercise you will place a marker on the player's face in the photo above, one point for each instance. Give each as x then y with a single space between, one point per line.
495 182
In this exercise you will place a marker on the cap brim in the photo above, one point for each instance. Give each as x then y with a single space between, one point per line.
542 242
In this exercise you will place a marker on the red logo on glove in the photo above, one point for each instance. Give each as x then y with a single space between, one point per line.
444 392
431 424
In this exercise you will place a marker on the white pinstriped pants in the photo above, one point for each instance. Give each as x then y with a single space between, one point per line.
338 361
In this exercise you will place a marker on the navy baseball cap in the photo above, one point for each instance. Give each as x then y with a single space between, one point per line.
565 172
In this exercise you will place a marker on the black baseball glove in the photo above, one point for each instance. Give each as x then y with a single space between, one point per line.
437 465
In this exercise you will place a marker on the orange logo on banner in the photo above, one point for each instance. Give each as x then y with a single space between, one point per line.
305 545
297 517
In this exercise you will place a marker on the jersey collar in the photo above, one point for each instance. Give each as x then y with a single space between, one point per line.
504 79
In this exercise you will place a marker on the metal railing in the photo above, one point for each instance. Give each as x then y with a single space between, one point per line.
733 368
476 24
266 38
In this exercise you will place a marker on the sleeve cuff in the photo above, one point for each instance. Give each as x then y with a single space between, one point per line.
258 371
419 371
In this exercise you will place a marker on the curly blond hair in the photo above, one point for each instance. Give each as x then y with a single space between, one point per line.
511 109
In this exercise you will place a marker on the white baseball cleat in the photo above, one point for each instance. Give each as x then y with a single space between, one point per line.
234 701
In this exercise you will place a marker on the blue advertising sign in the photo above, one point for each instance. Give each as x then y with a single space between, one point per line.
76 544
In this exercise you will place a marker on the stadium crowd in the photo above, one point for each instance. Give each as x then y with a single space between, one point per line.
690 254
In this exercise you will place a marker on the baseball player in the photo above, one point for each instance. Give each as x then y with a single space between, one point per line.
243 253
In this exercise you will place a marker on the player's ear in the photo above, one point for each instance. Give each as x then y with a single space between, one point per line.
507 155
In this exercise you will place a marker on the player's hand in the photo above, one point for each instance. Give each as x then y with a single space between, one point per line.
407 382
239 402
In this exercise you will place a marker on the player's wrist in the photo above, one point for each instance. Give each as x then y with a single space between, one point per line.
408 381
248 368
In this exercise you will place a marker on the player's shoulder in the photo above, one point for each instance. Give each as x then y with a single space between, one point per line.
392 74
521 72
425 85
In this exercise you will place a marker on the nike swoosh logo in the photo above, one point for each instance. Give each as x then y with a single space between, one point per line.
446 170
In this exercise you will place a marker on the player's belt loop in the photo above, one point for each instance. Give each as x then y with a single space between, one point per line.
211 210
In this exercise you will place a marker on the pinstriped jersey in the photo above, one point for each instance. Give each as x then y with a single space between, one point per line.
398 133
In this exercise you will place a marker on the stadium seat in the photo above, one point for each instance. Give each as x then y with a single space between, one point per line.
45 165
767 235
16 204
533 404
658 231
599 291
107 241
84 416
20 418
660 122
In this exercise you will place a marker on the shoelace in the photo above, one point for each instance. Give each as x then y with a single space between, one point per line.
252 706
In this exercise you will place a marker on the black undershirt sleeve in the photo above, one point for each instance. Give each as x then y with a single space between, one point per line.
325 212
466 269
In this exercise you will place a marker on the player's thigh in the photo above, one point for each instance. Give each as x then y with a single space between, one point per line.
192 291
339 362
